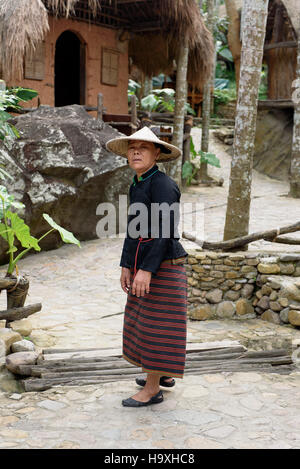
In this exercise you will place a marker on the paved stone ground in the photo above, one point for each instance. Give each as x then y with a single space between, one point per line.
82 307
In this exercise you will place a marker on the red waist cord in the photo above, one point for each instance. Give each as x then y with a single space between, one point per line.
141 240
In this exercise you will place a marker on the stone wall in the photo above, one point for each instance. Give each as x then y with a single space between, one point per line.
244 285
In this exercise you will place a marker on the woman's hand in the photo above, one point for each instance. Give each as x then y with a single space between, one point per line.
125 279
141 283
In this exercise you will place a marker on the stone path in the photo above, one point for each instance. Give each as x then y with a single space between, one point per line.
82 307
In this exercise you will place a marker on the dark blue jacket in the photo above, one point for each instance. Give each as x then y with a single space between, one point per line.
154 187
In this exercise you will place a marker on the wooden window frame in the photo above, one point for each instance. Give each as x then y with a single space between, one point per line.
104 80
34 76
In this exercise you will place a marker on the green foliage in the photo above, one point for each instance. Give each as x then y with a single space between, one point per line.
159 100
10 99
190 168
12 227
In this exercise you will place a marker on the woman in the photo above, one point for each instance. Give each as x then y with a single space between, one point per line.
153 275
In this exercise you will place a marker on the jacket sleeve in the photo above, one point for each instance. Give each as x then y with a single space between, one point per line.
163 191
125 257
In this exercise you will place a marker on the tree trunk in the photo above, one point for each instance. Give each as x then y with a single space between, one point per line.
206 106
295 160
239 196
175 167
234 40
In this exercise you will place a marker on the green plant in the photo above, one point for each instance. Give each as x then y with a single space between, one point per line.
190 168
14 227
10 99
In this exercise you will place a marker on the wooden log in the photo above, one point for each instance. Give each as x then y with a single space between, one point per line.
280 45
268 235
134 119
14 314
100 106
191 348
7 283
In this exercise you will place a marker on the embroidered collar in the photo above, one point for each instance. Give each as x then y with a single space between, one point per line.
146 175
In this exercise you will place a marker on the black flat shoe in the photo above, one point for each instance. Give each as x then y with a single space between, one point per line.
162 382
130 402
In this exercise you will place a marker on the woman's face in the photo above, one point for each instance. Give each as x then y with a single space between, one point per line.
141 156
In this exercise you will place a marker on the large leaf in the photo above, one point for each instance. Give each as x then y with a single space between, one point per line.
187 170
6 233
167 92
66 235
192 147
4 116
7 200
25 94
149 103
210 158
22 231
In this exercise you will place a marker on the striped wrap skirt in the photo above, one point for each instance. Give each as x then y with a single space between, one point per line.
154 330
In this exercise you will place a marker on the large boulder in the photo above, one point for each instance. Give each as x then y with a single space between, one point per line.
60 166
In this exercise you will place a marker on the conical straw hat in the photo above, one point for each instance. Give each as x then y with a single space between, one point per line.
119 145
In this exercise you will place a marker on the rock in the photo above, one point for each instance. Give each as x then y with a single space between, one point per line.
270 316
294 306
258 310
294 317
290 291
275 306
192 260
42 339
225 309
264 302
266 290
232 295
192 282
9 337
283 301
268 268
289 257
284 315
23 326
214 296
286 269
23 346
2 349
232 275
273 296
60 163
51 405
2 323
247 290
20 358
243 307
201 313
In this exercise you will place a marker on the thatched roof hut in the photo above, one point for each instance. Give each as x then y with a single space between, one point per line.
155 29
280 50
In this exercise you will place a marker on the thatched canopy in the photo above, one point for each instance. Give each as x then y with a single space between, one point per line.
156 29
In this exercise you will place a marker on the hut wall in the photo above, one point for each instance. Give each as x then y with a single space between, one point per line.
95 37
281 72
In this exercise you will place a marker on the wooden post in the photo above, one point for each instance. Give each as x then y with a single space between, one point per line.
133 114
100 107
294 175
188 125
181 97
239 195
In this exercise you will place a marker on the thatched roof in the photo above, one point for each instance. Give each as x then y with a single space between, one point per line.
23 24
